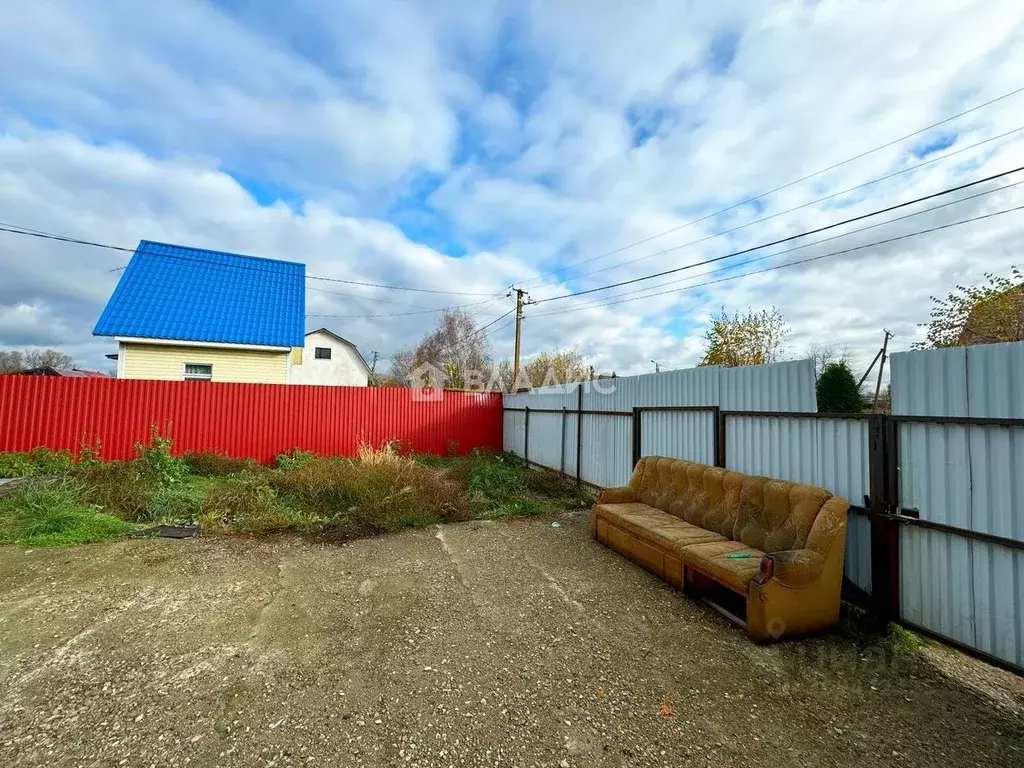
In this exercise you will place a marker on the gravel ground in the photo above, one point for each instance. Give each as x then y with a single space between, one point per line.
490 644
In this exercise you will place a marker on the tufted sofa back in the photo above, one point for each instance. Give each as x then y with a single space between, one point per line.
767 514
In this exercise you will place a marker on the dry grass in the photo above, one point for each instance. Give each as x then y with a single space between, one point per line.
380 490
245 504
212 464
121 488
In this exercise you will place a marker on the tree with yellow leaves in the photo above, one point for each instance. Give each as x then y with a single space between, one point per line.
979 314
750 338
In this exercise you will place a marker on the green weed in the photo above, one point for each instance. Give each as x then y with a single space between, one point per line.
244 504
294 459
38 461
51 514
156 456
175 503
121 488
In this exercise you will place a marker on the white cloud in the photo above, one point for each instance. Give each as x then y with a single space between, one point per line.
555 132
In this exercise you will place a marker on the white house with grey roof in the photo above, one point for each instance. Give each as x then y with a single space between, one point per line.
329 359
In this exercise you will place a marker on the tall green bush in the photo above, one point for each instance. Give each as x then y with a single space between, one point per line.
837 390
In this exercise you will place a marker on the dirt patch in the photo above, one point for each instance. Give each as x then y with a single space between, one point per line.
483 643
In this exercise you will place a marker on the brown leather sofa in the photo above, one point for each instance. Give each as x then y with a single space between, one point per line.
766 553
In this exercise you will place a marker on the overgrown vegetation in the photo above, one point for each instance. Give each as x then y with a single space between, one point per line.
38 461
51 513
377 491
501 484
212 464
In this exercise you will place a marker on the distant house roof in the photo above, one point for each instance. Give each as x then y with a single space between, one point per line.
343 341
175 292
73 373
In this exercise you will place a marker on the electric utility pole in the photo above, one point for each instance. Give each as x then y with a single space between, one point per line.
373 365
520 293
881 367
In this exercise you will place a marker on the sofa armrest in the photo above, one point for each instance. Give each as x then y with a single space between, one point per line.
793 568
623 495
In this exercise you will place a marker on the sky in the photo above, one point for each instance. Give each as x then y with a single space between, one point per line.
554 146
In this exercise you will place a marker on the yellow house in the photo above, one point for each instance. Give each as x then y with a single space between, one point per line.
185 314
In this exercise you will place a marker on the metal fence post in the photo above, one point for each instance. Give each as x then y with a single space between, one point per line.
561 458
637 435
892 507
526 436
579 434
881 480
719 432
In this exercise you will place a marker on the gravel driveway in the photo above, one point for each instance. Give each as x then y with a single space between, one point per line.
492 644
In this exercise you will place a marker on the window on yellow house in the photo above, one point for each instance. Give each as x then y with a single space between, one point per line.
198 372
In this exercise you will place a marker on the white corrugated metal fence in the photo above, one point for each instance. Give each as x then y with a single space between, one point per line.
971 477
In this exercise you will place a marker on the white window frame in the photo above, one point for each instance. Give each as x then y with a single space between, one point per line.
193 377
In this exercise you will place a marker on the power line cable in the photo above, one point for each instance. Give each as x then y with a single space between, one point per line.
781 187
801 206
798 262
395 314
50 236
11 229
774 254
472 337
387 301
399 287
790 238
425 310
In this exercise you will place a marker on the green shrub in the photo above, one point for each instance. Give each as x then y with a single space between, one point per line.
52 514
156 455
211 464
837 390
294 459
244 504
38 461
121 488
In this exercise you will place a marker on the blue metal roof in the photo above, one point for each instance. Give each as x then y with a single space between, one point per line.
175 292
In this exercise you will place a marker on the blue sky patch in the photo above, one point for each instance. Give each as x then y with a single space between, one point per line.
646 119
266 192
422 223
722 51
936 143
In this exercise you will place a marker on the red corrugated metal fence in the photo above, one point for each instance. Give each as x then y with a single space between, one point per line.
244 420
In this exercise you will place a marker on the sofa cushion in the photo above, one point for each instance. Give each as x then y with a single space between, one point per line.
672 484
688 506
776 515
655 483
712 559
652 524
720 499
677 534
634 518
